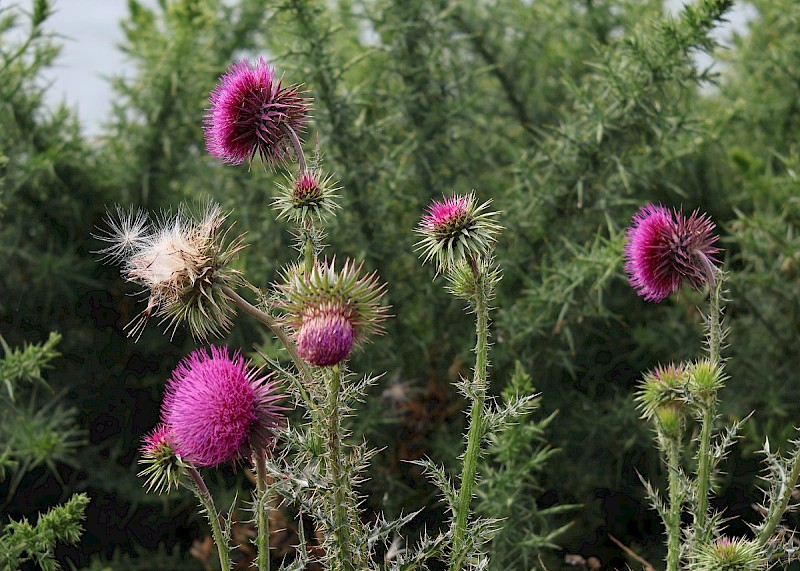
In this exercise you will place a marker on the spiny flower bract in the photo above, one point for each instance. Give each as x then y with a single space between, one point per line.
181 262
309 196
663 386
727 554
219 409
456 228
251 112
331 310
664 249
164 468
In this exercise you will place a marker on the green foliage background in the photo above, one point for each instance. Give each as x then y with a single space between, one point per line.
568 114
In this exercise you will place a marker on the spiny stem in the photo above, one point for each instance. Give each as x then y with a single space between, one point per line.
262 507
334 465
704 460
305 371
298 149
777 509
214 518
672 450
308 251
476 428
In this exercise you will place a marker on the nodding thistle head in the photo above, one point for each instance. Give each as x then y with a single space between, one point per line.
331 311
706 378
164 469
725 554
308 197
218 408
456 228
182 262
251 112
664 249
662 396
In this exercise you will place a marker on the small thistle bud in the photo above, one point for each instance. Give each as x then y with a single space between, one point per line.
705 380
467 281
670 419
456 228
181 262
252 113
726 554
218 409
331 311
307 197
662 388
664 249
164 469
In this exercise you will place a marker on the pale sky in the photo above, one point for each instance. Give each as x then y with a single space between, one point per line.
90 34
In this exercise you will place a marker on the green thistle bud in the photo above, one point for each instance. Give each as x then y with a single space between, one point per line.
330 310
467 281
661 389
726 554
705 379
456 229
309 197
164 469
670 419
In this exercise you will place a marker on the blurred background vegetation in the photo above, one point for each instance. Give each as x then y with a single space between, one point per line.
568 114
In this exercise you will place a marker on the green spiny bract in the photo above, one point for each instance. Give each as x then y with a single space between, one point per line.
727 554
308 197
457 228
661 390
331 310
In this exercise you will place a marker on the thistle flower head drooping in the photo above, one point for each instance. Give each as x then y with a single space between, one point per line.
219 409
181 262
164 469
456 228
331 310
664 249
308 197
251 112
725 554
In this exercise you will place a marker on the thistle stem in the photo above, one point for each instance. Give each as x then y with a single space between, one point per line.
476 430
672 450
334 465
262 514
214 518
298 149
272 325
704 460
308 251
777 509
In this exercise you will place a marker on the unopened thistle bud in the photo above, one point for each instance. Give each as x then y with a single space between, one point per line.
665 249
218 408
662 392
182 263
331 311
164 469
705 380
468 282
456 228
251 113
307 197
726 554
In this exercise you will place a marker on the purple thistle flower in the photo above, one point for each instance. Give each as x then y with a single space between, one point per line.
252 113
456 228
326 338
218 409
665 249
164 469
331 311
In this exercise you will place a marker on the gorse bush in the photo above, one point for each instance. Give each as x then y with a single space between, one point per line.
568 117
